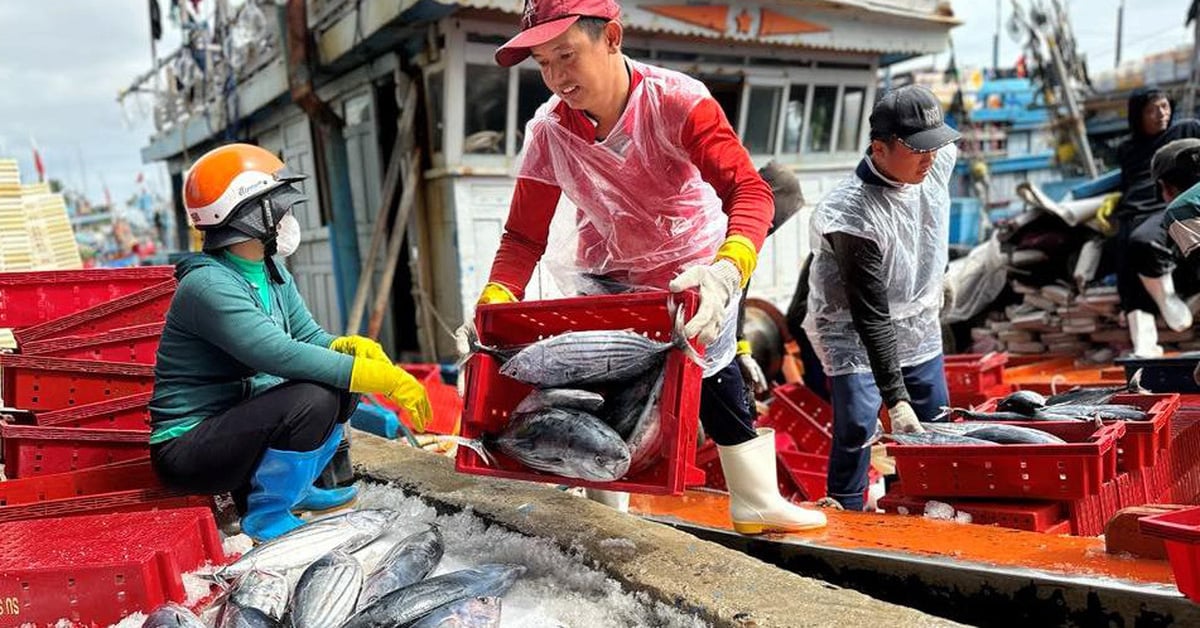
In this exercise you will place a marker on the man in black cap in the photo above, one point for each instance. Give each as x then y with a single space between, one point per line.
880 241
1144 264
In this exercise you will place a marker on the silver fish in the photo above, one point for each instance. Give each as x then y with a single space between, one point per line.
172 615
235 615
1024 402
1102 395
403 607
936 438
562 441
408 562
301 547
266 591
973 415
1013 435
646 440
560 398
583 358
1079 412
327 593
476 612
627 403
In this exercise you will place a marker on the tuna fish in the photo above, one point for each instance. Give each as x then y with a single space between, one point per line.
645 442
936 438
476 612
562 441
266 591
327 593
584 358
627 403
560 398
1093 396
408 562
1013 435
403 607
1024 402
172 615
972 415
235 615
1108 411
349 532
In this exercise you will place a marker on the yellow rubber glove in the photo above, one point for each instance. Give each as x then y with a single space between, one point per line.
359 347
741 252
377 376
1106 211
496 293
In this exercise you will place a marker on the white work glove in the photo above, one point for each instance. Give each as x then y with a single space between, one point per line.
752 373
904 419
718 283
462 336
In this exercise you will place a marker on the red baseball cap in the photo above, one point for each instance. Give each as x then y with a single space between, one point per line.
544 20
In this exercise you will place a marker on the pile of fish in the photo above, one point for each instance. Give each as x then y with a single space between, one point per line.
334 591
595 410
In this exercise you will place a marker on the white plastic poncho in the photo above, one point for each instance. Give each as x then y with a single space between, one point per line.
644 214
910 224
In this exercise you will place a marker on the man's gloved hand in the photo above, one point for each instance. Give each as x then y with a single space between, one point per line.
492 293
359 347
904 419
1107 207
718 283
756 380
375 376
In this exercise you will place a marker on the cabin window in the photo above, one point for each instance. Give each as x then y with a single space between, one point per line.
793 118
820 121
851 119
762 120
485 109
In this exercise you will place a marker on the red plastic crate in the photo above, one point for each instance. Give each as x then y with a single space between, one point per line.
138 343
1051 472
1180 532
144 306
30 298
1089 515
1143 441
41 383
443 401
709 461
132 500
31 450
1034 516
131 412
490 396
86 569
974 372
118 476
802 415
1131 490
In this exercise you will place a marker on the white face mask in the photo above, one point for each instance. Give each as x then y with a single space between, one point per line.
287 235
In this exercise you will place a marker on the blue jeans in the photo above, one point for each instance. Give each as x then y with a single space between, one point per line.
856 405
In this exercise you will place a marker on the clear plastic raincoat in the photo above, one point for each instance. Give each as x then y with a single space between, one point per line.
643 211
910 224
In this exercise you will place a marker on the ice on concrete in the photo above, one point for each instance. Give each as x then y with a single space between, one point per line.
940 511
558 588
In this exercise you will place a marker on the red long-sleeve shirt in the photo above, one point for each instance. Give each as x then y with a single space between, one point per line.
714 149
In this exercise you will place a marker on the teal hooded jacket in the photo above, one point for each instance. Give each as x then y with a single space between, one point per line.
221 345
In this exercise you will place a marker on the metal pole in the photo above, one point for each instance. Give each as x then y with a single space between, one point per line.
1064 83
1120 31
996 42
1189 98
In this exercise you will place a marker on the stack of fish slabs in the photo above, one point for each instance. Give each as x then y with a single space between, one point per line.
53 238
1055 319
15 249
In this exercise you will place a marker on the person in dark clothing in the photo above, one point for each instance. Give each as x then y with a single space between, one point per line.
881 245
1144 263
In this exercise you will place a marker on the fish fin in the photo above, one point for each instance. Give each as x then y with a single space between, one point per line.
1135 384
475 445
1058 377
945 412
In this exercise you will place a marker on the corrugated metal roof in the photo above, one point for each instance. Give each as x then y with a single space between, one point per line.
850 25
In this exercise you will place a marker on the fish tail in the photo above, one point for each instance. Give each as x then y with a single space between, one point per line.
1135 383
681 340
477 347
476 445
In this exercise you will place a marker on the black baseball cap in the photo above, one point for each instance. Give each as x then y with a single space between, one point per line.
1176 155
913 115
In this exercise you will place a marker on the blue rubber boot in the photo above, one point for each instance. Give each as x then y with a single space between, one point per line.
316 499
277 484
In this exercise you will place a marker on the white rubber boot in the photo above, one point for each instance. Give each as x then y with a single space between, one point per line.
755 504
616 500
1143 331
1176 314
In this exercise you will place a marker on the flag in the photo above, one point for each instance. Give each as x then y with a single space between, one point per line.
107 196
37 161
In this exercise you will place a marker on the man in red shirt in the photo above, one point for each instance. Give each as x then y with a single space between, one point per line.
666 197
